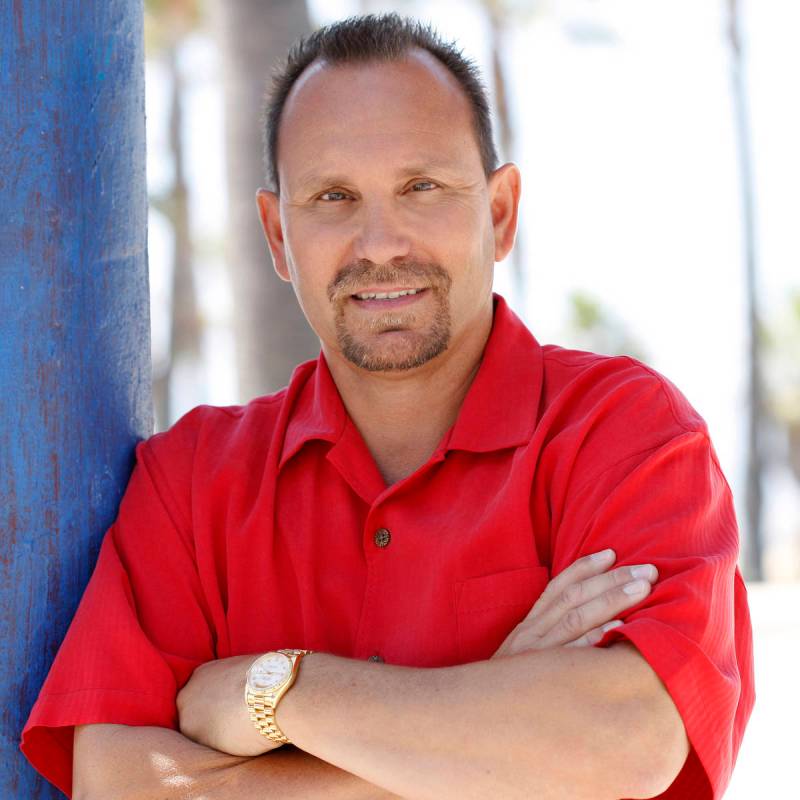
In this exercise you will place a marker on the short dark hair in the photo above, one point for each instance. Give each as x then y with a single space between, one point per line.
374 37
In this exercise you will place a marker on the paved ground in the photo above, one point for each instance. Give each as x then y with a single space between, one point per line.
769 761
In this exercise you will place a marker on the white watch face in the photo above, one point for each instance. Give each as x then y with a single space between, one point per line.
269 671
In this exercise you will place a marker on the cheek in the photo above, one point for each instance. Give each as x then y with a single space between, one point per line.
465 227
472 246
488 245
311 246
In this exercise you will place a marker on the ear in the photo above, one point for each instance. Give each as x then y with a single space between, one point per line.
505 185
269 213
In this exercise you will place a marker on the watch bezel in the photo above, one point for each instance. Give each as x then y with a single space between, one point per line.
271 689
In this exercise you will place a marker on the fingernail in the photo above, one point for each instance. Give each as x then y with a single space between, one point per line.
644 571
604 555
636 587
615 623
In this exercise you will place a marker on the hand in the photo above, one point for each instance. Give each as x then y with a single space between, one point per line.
580 604
212 710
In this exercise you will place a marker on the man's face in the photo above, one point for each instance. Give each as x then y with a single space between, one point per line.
385 228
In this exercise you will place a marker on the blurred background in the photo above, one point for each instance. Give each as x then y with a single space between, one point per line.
659 218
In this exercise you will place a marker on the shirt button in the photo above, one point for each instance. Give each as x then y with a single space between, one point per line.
376 658
382 537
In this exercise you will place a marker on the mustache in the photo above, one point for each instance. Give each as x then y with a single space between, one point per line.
349 279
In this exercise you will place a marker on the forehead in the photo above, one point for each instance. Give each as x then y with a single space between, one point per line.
354 115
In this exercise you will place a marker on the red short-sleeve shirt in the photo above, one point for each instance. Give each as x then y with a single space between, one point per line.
245 529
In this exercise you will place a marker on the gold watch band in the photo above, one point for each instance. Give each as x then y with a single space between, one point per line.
263 715
262 704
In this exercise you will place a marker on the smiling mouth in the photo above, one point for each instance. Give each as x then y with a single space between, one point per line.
391 295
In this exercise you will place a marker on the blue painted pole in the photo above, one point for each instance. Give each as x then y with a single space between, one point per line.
75 390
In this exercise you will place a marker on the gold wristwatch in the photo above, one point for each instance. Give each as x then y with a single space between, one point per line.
268 679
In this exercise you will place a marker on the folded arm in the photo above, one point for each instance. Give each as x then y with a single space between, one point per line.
566 723
547 716
558 723
140 763
540 719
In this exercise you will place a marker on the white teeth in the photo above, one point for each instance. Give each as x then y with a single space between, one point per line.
386 295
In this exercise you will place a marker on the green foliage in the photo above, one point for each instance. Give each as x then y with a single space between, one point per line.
795 305
586 312
782 360
168 21
592 327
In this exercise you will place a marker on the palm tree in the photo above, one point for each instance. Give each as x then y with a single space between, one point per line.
501 14
753 566
272 335
166 24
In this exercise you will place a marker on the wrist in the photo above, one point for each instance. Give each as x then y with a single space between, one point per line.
269 679
293 710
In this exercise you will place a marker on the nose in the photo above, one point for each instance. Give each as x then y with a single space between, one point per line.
381 234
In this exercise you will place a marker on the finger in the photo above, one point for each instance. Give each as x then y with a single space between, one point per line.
579 570
607 606
544 619
535 630
594 635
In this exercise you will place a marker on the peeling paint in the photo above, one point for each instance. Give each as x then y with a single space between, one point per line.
73 323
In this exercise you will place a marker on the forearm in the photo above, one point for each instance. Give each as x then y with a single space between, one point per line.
150 763
560 723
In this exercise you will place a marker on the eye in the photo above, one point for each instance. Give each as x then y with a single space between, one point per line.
328 194
422 183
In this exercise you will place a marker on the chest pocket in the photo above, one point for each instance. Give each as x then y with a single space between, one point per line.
490 606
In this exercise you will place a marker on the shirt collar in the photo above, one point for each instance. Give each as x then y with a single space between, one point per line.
499 410
316 409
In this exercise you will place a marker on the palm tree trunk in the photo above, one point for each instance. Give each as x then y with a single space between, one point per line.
497 31
272 334
185 328
755 458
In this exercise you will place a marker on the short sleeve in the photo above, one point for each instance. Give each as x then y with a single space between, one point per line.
671 506
141 627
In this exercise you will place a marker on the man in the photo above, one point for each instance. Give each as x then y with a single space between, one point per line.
429 513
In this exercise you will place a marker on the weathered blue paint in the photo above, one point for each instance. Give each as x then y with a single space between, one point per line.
74 322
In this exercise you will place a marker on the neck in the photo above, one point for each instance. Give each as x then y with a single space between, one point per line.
402 416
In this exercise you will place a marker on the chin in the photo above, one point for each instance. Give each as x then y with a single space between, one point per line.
396 357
